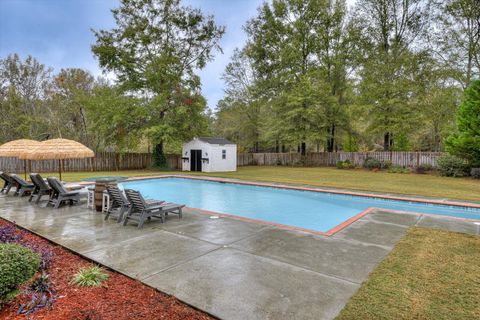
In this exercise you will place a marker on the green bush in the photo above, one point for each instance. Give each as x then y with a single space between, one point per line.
371 163
475 173
17 265
451 166
423 168
90 277
345 164
398 169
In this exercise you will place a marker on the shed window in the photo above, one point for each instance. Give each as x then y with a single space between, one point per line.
224 154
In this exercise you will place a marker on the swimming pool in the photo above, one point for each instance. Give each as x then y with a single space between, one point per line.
314 211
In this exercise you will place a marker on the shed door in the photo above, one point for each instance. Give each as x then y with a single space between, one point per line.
195 160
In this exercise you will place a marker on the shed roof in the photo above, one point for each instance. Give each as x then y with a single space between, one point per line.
215 140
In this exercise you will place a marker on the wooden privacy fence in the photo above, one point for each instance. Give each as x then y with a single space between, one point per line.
110 161
103 161
407 159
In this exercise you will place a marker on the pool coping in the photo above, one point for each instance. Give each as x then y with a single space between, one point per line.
333 230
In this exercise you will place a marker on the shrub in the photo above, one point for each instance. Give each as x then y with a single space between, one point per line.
10 234
371 163
475 173
17 264
90 277
451 166
345 164
398 169
423 168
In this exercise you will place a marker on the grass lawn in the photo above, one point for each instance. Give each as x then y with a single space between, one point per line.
430 274
359 179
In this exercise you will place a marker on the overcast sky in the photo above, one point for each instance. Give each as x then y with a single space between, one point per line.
57 33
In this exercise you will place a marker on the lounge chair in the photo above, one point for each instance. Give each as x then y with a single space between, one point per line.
142 210
60 195
23 187
120 204
8 182
41 187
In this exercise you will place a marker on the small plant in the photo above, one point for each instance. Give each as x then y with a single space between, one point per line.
345 164
475 173
451 166
90 277
17 265
42 295
46 254
8 233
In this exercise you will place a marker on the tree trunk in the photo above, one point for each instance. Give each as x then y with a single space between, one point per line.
331 139
387 141
303 148
159 159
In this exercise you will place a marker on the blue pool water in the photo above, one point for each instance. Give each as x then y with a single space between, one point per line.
318 211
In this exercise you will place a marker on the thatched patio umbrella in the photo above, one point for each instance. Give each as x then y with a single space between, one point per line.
58 149
16 148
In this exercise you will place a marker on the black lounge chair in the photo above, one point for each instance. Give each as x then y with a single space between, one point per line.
142 210
23 187
41 187
8 182
60 194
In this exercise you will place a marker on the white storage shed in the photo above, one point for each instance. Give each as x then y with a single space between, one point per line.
209 155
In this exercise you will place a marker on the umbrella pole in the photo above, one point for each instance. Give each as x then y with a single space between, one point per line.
25 168
60 168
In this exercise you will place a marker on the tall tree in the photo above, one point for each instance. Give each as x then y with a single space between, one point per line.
458 38
466 142
301 50
68 99
392 58
23 86
155 50
238 114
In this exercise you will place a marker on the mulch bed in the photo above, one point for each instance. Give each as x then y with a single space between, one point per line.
118 298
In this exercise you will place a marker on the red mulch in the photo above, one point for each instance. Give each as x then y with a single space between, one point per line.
118 298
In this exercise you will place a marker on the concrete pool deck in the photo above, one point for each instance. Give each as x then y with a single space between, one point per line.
230 268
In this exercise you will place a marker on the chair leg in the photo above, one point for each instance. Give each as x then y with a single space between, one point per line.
180 214
141 220
38 198
57 203
123 210
127 217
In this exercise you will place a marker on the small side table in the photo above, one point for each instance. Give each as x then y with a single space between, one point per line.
91 198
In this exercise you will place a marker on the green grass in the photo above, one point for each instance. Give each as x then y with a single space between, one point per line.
430 274
359 179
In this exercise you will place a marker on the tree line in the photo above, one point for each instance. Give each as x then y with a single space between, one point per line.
313 75
382 75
